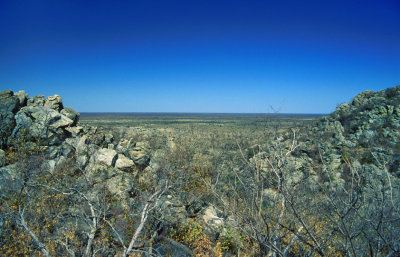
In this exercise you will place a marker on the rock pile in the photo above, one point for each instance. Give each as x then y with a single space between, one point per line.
45 122
42 121
370 124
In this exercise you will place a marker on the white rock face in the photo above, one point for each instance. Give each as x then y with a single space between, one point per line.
124 163
106 156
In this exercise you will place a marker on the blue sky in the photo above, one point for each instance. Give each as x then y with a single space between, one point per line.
200 56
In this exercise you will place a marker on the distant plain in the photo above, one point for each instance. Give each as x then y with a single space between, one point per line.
179 120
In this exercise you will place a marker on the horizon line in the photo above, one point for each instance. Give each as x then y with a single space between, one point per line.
264 113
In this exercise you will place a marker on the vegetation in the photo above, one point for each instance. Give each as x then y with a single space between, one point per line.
221 185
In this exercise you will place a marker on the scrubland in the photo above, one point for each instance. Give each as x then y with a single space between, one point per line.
201 184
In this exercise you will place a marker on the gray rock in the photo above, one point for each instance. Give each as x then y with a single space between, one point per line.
98 173
72 141
82 146
169 247
23 97
7 124
6 93
124 145
119 184
124 163
71 114
36 101
52 152
10 180
106 156
75 131
108 138
44 125
53 102
8 102
2 158
212 221
67 150
82 161
140 154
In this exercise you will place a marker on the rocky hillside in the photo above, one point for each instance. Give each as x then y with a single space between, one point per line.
44 146
367 128
81 190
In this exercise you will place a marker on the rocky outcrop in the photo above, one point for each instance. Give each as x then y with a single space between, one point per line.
9 105
53 102
140 154
124 163
370 123
106 156
41 120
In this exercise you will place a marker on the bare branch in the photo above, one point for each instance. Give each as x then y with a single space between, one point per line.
22 223
151 203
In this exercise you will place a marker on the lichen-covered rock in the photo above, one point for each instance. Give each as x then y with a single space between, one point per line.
124 163
75 131
169 247
140 154
106 156
212 221
71 114
124 145
36 101
6 94
35 119
53 102
9 105
23 98
45 126
8 102
10 181
2 158
82 146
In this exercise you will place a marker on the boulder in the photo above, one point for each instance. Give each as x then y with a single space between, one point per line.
212 220
106 156
9 105
120 184
36 101
2 158
10 181
75 131
169 247
71 114
82 146
140 154
7 124
124 163
40 124
124 145
6 93
81 161
212 216
53 102
23 97
8 102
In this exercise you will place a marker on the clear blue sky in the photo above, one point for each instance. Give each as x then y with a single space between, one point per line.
302 56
